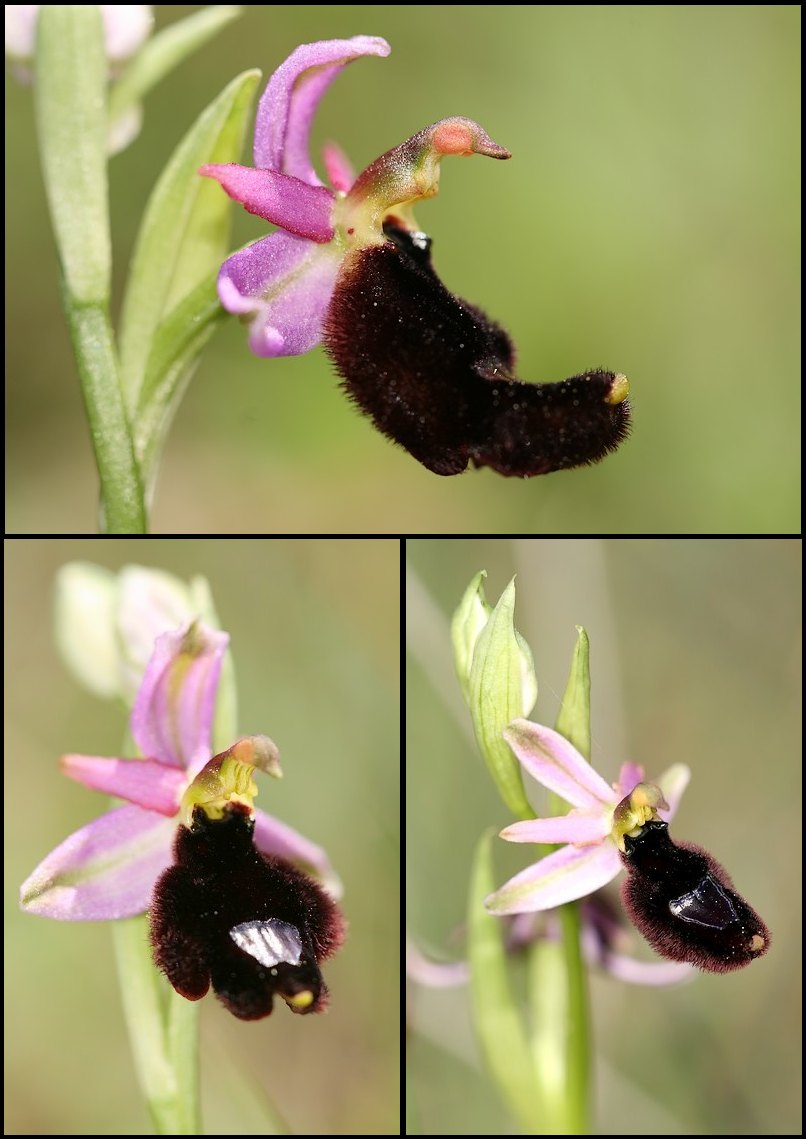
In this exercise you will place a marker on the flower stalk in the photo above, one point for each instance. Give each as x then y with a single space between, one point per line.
572 1022
163 1032
72 124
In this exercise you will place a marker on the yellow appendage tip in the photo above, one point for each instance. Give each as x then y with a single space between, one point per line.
620 389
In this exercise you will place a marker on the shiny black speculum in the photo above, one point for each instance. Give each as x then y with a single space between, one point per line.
684 903
252 925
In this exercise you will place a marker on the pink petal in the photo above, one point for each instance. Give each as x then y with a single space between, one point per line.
145 782
673 783
434 974
287 202
630 969
555 763
577 827
291 97
104 871
636 972
274 837
126 28
630 775
569 873
150 602
286 283
339 169
625 968
173 711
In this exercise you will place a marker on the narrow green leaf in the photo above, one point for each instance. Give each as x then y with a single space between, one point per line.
175 350
574 720
470 617
161 54
502 687
70 93
184 234
500 1031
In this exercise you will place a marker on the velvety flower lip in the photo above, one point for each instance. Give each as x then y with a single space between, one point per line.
592 831
283 284
107 869
227 915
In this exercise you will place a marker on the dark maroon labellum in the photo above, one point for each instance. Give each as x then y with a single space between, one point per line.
436 375
684 903
252 925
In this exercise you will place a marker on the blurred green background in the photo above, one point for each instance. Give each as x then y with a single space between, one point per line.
315 639
695 657
648 222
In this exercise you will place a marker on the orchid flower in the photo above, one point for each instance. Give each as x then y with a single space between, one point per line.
285 282
594 829
108 869
351 268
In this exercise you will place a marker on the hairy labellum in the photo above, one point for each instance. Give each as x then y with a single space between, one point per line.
436 375
684 903
252 925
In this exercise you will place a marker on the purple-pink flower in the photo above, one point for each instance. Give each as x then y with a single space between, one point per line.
350 267
108 868
283 284
593 831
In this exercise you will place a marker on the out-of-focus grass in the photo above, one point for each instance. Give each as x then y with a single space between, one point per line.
648 222
695 657
314 628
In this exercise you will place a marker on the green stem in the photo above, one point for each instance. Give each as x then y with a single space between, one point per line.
122 505
577 1037
560 1028
163 1029
70 94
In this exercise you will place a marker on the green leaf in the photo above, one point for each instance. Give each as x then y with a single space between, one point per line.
185 231
70 93
574 720
499 1028
161 54
174 354
502 687
468 621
